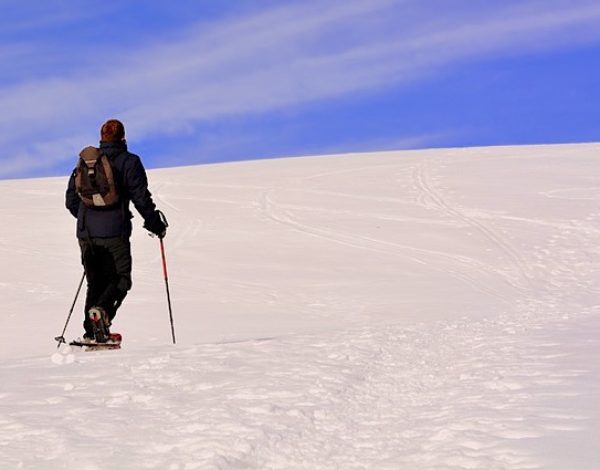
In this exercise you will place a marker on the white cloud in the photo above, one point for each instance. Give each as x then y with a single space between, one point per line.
275 59
38 156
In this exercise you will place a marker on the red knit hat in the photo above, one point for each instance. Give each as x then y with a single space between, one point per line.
112 131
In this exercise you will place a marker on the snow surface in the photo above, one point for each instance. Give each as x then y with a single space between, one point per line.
398 310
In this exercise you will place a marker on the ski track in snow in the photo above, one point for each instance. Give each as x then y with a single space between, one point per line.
431 198
283 213
502 373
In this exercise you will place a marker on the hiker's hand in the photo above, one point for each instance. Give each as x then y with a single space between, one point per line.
156 225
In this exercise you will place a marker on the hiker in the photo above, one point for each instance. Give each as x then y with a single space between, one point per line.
105 180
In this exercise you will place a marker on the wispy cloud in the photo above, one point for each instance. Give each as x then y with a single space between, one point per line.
24 17
268 60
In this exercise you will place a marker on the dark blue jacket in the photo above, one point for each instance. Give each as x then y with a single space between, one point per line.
132 186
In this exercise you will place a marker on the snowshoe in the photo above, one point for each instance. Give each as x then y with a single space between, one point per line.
113 341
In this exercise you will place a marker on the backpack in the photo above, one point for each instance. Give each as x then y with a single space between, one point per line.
94 179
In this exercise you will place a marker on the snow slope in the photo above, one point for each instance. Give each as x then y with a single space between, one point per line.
419 309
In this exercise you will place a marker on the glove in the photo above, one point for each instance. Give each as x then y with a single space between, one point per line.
157 224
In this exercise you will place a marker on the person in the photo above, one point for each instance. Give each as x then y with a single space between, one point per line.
104 232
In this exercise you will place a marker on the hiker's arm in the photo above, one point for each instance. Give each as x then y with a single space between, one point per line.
142 199
72 200
137 187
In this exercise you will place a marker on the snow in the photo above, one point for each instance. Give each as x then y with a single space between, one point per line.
415 309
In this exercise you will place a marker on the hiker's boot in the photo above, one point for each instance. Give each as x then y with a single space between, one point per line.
100 324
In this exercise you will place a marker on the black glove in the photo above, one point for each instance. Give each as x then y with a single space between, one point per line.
157 224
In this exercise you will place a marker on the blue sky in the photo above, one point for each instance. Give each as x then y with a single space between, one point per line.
209 81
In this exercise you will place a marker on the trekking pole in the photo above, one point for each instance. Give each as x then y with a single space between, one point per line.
61 338
164 265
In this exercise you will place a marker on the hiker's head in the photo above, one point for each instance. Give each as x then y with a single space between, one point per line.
112 131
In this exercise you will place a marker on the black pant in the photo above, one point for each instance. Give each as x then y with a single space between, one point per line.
107 264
